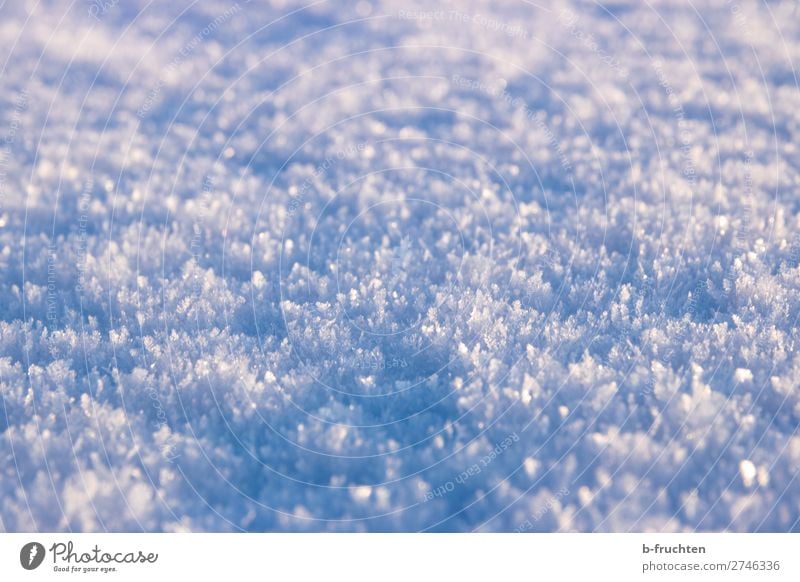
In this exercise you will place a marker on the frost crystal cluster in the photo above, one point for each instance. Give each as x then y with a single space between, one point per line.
370 266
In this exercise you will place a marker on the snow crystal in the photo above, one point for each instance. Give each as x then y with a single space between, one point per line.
518 266
748 472
743 375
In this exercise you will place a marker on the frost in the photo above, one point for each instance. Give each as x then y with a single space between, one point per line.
748 472
355 266
743 375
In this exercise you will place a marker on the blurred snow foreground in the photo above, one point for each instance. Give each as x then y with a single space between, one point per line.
376 266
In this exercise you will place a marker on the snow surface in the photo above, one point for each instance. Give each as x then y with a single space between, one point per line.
382 266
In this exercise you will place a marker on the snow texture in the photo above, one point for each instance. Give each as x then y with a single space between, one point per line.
397 266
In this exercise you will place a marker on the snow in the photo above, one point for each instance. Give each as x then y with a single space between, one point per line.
748 472
377 267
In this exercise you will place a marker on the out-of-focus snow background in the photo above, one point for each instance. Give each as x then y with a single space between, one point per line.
515 266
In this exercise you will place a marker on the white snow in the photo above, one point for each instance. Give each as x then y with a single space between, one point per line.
748 472
269 266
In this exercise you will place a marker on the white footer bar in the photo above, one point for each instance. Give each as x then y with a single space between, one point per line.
400 557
